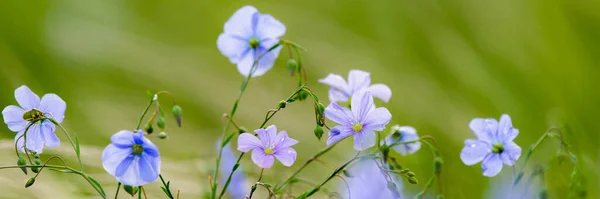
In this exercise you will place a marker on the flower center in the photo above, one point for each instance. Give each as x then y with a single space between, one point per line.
357 127
268 151
137 149
33 114
497 148
254 42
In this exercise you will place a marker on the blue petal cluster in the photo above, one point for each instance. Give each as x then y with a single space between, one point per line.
132 158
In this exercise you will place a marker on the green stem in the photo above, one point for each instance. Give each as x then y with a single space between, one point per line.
118 188
533 147
310 160
70 141
144 113
231 114
169 194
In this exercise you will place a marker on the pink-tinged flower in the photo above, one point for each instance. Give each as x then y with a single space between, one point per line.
247 35
268 146
341 90
362 121
41 133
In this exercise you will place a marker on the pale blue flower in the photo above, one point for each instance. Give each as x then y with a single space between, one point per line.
404 134
362 121
271 145
132 158
237 188
494 145
341 90
501 188
368 181
247 35
42 133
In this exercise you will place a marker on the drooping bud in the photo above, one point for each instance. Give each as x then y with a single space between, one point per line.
177 113
29 182
21 162
149 129
320 109
36 162
437 165
385 151
318 132
410 174
292 64
413 180
302 95
162 135
131 190
160 122
282 104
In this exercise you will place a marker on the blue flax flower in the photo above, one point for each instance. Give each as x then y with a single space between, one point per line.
271 145
494 145
368 181
42 133
246 36
362 121
341 90
132 158
237 188
404 134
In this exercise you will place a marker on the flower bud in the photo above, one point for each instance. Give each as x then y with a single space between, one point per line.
131 190
282 104
302 95
162 135
29 182
149 129
440 197
37 162
318 132
437 165
413 180
177 113
21 162
410 174
160 122
292 64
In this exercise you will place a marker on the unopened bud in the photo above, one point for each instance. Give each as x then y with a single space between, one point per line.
131 190
29 182
318 132
177 113
21 162
437 165
162 135
160 122
292 64
149 129
320 109
410 174
37 162
440 197
413 180
282 104
302 95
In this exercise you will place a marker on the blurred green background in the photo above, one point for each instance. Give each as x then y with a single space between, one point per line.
445 61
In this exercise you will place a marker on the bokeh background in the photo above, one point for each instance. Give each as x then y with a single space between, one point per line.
445 61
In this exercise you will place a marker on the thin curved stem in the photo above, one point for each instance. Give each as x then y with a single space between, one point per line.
118 188
70 141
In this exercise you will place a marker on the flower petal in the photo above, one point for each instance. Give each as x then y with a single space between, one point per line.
124 165
268 135
123 139
364 140
286 156
474 151
377 119
337 82
484 129
13 117
408 134
233 47
35 138
262 160
381 91
53 105
242 22
48 130
26 98
150 149
247 142
358 80
511 153
492 165
149 168
338 114
362 104
112 156
269 27
283 141
337 96
264 64
506 132
338 133
132 175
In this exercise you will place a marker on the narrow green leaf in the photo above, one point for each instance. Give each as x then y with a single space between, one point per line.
227 140
77 149
97 185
